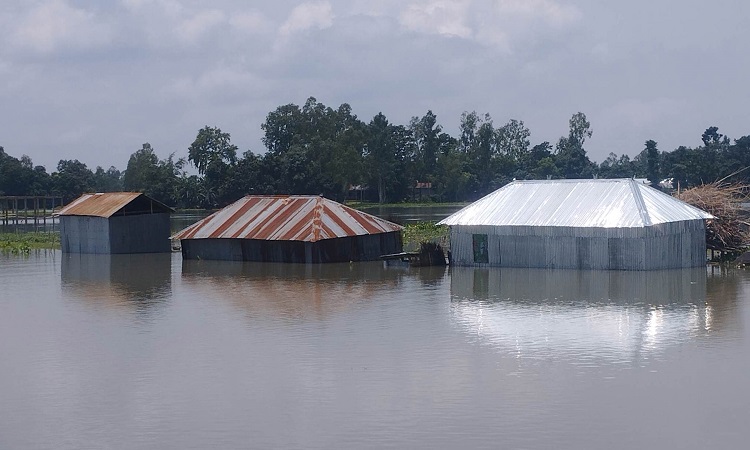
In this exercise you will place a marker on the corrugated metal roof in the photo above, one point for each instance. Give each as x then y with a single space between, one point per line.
286 218
617 203
104 204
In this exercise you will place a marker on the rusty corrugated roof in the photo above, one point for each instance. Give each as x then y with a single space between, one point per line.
286 218
104 204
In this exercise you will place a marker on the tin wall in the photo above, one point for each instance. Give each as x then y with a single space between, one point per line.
145 233
84 234
663 246
354 248
142 233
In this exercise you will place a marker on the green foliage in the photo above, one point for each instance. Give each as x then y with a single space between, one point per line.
160 179
652 163
315 149
72 179
20 177
417 233
571 158
211 150
23 243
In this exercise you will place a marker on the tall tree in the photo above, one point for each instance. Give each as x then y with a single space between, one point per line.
140 169
470 122
281 128
426 133
20 177
317 149
213 154
380 154
72 179
652 161
211 147
571 157
109 180
616 167
513 139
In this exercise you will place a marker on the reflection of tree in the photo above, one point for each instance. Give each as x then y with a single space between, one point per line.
140 281
722 294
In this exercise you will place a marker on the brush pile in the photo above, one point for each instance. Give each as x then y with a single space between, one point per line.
729 231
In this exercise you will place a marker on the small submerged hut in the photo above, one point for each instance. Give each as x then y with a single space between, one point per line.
290 229
113 223
618 224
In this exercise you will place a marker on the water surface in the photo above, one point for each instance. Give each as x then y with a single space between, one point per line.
149 351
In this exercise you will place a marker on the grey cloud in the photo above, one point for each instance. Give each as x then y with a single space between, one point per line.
158 70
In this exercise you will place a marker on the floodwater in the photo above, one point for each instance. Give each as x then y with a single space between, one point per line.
149 351
411 214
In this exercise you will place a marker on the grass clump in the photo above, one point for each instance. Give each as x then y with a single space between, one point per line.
23 243
415 234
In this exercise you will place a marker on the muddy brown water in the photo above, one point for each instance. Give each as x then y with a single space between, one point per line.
149 351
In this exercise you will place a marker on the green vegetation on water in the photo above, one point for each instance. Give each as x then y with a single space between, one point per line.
23 243
417 233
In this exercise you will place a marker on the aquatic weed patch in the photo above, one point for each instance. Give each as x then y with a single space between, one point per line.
421 232
23 243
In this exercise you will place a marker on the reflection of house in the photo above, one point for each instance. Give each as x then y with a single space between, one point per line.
596 313
583 224
535 286
115 222
135 281
291 291
304 229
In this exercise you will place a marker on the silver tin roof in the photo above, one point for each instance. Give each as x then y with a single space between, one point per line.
615 203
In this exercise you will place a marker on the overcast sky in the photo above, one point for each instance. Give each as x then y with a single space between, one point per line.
93 80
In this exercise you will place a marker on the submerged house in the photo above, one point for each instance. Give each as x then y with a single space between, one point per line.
115 222
579 224
291 229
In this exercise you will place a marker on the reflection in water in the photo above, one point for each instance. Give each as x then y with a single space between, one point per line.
360 356
723 294
138 281
297 291
618 315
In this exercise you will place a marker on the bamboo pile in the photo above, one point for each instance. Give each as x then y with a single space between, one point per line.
729 231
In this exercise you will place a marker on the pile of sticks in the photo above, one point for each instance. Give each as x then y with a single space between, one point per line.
730 230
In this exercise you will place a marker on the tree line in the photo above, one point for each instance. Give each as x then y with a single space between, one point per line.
315 149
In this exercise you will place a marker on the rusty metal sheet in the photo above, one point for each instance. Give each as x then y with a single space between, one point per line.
98 205
104 204
292 218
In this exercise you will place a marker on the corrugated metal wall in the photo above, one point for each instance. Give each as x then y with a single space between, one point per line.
142 233
354 248
84 234
663 246
145 233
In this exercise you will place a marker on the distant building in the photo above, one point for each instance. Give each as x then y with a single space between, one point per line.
291 229
115 222
579 224
422 190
